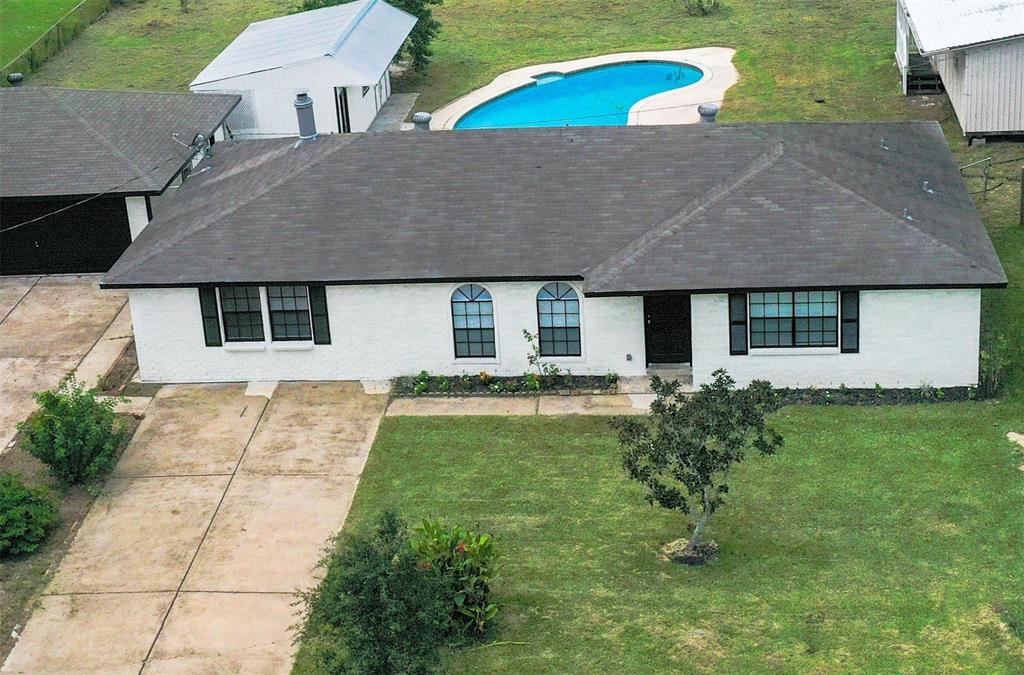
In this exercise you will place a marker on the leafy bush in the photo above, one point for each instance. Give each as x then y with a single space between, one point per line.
993 363
26 516
468 560
73 433
700 7
378 609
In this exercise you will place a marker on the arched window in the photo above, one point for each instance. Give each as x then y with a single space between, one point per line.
473 321
558 318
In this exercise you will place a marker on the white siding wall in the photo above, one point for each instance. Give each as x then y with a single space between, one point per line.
378 332
138 215
986 86
272 95
907 338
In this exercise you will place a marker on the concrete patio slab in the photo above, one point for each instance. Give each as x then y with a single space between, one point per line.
12 290
139 535
605 404
60 316
191 430
269 533
315 429
226 633
47 326
105 633
678 106
20 379
107 349
468 405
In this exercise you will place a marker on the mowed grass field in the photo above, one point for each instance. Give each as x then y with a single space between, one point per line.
878 540
789 51
22 22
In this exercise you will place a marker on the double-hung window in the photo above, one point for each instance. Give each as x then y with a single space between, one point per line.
296 313
794 319
289 313
242 313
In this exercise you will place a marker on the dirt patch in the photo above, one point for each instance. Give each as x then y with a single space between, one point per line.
675 551
120 374
24 578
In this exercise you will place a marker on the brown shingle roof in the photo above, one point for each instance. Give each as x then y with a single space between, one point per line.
626 209
81 142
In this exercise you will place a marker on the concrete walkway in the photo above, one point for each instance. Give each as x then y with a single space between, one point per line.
49 326
678 106
604 404
393 112
217 513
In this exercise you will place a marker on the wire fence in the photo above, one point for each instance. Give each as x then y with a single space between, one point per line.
56 37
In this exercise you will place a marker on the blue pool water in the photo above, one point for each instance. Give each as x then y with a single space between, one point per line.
594 97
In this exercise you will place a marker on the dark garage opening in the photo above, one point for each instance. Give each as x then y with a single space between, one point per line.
89 237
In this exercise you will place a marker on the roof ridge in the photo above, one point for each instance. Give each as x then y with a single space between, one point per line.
350 28
265 187
892 216
109 144
614 265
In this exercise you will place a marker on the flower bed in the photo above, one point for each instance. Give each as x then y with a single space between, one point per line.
878 396
425 384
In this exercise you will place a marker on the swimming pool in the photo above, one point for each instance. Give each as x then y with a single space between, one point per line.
600 96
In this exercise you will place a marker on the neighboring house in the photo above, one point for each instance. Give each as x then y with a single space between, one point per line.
339 56
81 171
807 254
977 49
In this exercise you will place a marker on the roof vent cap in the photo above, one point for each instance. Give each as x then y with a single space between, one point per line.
421 121
707 112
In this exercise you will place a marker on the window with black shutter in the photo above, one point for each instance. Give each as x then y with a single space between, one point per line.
850 310
318 309
211 319
737 324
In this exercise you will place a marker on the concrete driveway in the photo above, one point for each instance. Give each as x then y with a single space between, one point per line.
47 327
217 513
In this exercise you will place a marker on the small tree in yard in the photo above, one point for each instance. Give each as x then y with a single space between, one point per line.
684 451
75 434
417 46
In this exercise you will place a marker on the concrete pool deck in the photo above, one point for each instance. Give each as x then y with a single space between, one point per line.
677 106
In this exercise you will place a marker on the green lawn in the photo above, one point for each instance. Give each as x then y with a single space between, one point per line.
22 22
790 51
878 540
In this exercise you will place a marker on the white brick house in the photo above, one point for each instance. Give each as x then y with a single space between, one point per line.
808 255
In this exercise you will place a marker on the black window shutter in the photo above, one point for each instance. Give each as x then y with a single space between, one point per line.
318 310
211 320
737 323
850 308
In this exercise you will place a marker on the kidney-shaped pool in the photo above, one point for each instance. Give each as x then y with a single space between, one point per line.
592 97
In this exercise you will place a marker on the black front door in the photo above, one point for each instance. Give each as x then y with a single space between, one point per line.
667 328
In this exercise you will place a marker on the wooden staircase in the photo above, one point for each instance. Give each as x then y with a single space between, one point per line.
922 78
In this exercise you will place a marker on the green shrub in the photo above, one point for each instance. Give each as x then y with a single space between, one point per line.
73 433
994 361
468 560
26 516
700 7
378 609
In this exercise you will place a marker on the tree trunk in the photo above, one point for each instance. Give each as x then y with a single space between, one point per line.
698 529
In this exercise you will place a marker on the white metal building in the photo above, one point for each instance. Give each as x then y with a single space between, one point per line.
977 48
338 55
